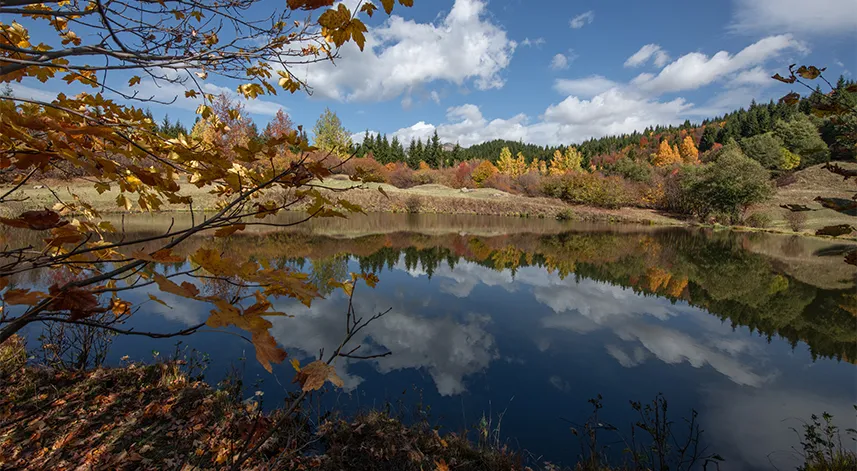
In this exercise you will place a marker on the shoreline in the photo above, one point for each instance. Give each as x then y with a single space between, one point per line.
423 200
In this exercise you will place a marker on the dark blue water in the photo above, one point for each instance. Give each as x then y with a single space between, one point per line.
743 338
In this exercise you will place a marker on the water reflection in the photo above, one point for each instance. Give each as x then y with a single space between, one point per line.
750 329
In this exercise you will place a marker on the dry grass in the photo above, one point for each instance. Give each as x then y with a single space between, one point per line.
808 184
423 199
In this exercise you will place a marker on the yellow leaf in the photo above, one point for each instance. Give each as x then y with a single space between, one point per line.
441 465
388 5
134 81
296 364
190 94
161 256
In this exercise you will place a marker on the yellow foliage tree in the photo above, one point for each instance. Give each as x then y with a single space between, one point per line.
483 171
667 155
570 161
507 165
689 152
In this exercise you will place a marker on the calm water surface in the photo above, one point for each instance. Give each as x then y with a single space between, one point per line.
531 318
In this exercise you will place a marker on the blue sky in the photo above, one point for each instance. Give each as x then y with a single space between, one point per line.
557 71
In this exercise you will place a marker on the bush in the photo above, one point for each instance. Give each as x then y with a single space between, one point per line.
727 185
482 171
413 204
499 181
401 177
796 220
785 180
760 220
589 188
462 176
765 149
367 169
530 184
638 171
802 137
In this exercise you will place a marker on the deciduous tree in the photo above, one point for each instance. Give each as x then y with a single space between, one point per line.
115 47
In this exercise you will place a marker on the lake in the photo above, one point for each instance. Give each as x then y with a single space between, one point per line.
528 319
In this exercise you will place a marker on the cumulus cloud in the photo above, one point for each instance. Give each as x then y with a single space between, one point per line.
755 76
820 17
464 47
696 69
613 111
559 62
536 42
645 53
447 349
584 87
642 322
582 20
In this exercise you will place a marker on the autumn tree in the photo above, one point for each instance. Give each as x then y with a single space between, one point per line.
688 151
230 127
280 126
667 155
330 135
483 171
507 165
564 162
184 44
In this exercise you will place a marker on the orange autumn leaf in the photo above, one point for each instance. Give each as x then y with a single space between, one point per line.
23 296
313 376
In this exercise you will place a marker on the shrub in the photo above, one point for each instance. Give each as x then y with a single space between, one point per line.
462 176
796 220
413 204
367 169
760 220
764 148
401 177
632 170
802 137
727 185
589 188
565 215
499 181
785 180
530 184
482 171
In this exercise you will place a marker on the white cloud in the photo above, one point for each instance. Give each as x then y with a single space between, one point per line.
696 70
533 42
647 52
582 20
559 62
447 349
819 17
755 76
435 97
613 111
585 87
30 93
400 55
